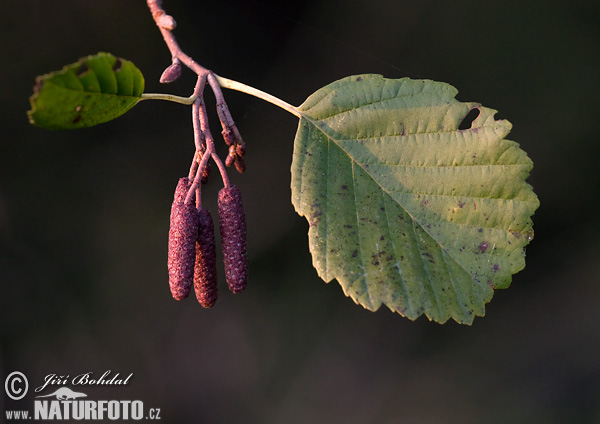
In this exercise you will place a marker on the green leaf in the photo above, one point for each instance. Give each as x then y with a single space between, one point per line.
94 90
404 208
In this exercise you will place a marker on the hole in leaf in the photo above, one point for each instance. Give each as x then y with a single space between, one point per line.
117 66
499 117
83 69
467 121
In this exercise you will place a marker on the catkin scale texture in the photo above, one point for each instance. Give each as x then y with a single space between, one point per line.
205 272
182 242
232 224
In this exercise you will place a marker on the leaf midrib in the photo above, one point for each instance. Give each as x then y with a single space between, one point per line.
97 93
423 227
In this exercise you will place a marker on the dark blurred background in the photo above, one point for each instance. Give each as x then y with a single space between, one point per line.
84 217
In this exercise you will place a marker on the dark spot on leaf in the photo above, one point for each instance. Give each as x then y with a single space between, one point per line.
354 253
480 230
515 234
374 260
424 203
461 204
347 226
483 246
358 78
76 119
344 187
496 267
382 238
489 283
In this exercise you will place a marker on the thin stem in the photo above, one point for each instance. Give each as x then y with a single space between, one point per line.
238 86
177 99
210 145
157 11
196 184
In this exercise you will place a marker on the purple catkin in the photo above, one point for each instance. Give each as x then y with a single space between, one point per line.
232 223
240 164
205 272
182 242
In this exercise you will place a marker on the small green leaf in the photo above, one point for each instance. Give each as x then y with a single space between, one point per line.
94 90
404 208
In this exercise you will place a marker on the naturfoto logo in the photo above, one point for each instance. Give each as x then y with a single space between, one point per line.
69 403
64 393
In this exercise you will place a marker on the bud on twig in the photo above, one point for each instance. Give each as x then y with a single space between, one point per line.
182 242
240 164
205 273
229 160
205 173
166 22
232 223
240 149
228 136
172 73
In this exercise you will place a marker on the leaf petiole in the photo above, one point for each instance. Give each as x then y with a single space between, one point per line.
238 86
169 97
232 85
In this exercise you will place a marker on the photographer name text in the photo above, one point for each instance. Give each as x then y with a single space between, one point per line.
85 379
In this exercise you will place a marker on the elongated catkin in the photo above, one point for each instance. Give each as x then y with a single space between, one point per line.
232 223
205 272
182 242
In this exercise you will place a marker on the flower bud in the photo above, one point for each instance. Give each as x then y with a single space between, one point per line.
205 173
240 149
229 160
172 73
232 223
167 22
240 164
228 136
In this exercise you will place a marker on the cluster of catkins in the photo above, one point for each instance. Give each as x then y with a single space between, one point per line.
192 252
